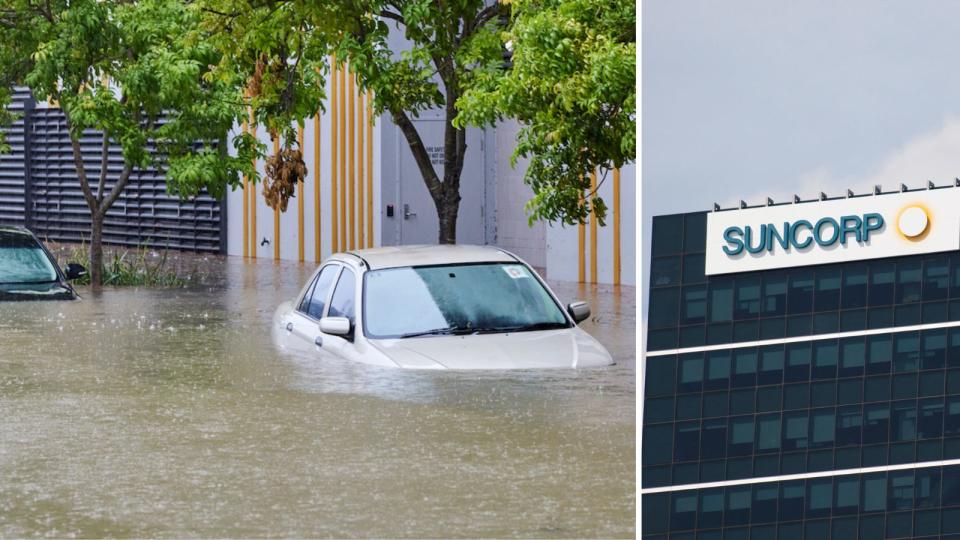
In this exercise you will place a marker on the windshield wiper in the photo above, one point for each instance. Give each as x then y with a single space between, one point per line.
445 331
523 328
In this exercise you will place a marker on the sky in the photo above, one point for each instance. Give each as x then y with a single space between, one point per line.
746 99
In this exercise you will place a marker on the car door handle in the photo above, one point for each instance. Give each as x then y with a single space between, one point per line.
289 327
318 341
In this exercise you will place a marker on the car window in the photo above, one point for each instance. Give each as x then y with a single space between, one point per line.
22 260
315 300
342 303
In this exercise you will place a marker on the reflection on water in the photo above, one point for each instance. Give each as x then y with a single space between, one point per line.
169 413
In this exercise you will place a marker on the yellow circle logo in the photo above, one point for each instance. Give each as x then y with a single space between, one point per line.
913 222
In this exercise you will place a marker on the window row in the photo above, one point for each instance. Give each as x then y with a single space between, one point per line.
850 425
776 398
824 359
814 498
770 294
679 233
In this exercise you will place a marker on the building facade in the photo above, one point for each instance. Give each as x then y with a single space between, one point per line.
802 372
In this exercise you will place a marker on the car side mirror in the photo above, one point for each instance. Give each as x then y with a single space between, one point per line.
75 271
335 326
579 310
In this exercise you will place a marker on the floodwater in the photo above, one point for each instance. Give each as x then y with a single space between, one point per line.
146 413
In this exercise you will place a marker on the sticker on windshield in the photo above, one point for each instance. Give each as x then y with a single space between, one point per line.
516 272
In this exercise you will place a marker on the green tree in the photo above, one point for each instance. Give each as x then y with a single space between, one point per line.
138 72
281 47
572 86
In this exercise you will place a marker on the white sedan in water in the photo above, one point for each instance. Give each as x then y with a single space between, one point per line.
436 307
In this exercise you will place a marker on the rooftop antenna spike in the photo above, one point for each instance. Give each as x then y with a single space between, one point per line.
823 196
849 192
716 207
743 203
796 199
930 184
769 201
903 187
877 189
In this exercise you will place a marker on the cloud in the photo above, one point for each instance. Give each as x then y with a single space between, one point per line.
931 156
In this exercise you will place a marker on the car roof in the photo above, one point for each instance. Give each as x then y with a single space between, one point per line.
429 255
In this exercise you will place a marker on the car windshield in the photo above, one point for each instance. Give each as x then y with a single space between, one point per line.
23 261
438 300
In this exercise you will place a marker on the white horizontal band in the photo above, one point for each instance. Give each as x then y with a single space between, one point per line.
801 476
800 339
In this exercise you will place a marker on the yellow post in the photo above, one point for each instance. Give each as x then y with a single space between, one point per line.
253 199
300 200
246 209
316 188
593 229
371 234
360 147
343 158
276 211
334 238
351 159
616 226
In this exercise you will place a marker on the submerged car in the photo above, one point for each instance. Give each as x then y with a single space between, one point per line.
436 307
29 272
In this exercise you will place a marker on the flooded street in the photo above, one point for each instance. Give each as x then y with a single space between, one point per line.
170 413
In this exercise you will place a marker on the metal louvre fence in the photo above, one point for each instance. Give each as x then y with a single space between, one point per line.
39 188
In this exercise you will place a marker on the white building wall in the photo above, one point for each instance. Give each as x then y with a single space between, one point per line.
513 231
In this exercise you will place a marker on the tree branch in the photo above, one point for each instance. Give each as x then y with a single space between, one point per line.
104 154
78 164
420 155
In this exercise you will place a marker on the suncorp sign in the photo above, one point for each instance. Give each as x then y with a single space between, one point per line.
833 231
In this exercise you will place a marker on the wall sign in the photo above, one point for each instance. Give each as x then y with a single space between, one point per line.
833 231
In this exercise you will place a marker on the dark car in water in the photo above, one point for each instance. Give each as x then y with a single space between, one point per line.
29 272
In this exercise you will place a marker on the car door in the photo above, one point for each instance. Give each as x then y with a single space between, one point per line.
343 304
304 324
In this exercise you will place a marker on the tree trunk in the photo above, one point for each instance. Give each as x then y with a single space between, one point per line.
96 250
447 211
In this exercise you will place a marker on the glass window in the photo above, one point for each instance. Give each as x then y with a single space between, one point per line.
667 235
874 492
951 485
904 420
930 424
695 232
774 294
906 352
686 442
934 348
853 353
908 282
876 423
823 428
23 260
744 368
825 358
693 307
951 419
792 500
660 375
711 509
655 454
665 271
955 276
690 374
880 349
718 370
771 365
741 436
819 497
927 486
344 297
798 362
849 422
684 511
953 351
795 431
936 278
854 286
827 294
721 300
764 503
748 297
738 506
768 433
800 294
881 284
315 300
846 495
694 268
900 490
713 439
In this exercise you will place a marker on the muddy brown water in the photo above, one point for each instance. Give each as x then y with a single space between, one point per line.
169 413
